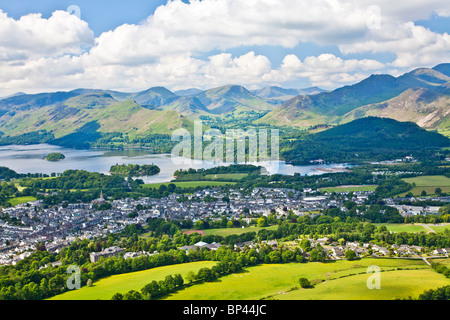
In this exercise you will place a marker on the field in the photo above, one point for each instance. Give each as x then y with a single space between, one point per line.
428 184
227 176
104 289
190 184
229 231
274 280
445 132
19 200
396 227
445 262
394 285
349 189
439 228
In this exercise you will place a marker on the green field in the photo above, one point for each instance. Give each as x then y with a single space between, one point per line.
400 227
445 262
227 176
445 132
271 280
190 184
428 184
444 226
104 289
349 189
393 285
229 231
19 200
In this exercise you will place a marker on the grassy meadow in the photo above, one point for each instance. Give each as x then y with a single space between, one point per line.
439 228
428 184
334 280
229 231
226 176
349 189
19 200
104 289
394 285
400 227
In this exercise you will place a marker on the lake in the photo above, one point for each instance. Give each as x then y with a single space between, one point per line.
30 159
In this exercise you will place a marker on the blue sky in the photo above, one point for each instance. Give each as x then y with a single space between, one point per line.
127 45
101 15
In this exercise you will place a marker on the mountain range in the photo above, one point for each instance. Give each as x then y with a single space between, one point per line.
421 96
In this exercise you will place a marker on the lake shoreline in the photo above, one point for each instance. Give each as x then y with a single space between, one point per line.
29 159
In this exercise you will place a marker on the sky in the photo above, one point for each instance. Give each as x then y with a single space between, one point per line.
54 45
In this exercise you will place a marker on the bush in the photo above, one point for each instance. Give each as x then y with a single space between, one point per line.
304 283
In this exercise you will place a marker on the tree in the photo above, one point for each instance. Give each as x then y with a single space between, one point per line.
304 283
117 296
275 256
438 191
317 254
151 290
191 277
350 255
199 225
305 244
262 222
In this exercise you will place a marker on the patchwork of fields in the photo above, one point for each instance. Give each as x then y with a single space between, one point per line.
338 280
335 280
428 184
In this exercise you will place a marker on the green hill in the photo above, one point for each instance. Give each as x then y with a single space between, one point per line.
364 139
86 118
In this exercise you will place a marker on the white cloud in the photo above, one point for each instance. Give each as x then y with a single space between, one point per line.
413 45
325 70
60 52
33 37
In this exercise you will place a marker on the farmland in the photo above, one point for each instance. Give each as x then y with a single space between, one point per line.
428 184
394 285
273 280
440 228
105 288
397 227
226 176
349 189
19 200
229 231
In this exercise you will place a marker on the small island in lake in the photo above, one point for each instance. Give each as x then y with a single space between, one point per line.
135 170
55 156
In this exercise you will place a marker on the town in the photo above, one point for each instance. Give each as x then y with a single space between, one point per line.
30 224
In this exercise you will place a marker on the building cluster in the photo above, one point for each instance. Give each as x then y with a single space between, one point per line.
24 227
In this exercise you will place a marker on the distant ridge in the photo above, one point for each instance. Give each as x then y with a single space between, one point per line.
354 101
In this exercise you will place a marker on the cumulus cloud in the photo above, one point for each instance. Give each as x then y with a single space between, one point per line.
325 70
170 46
413 45
33 37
